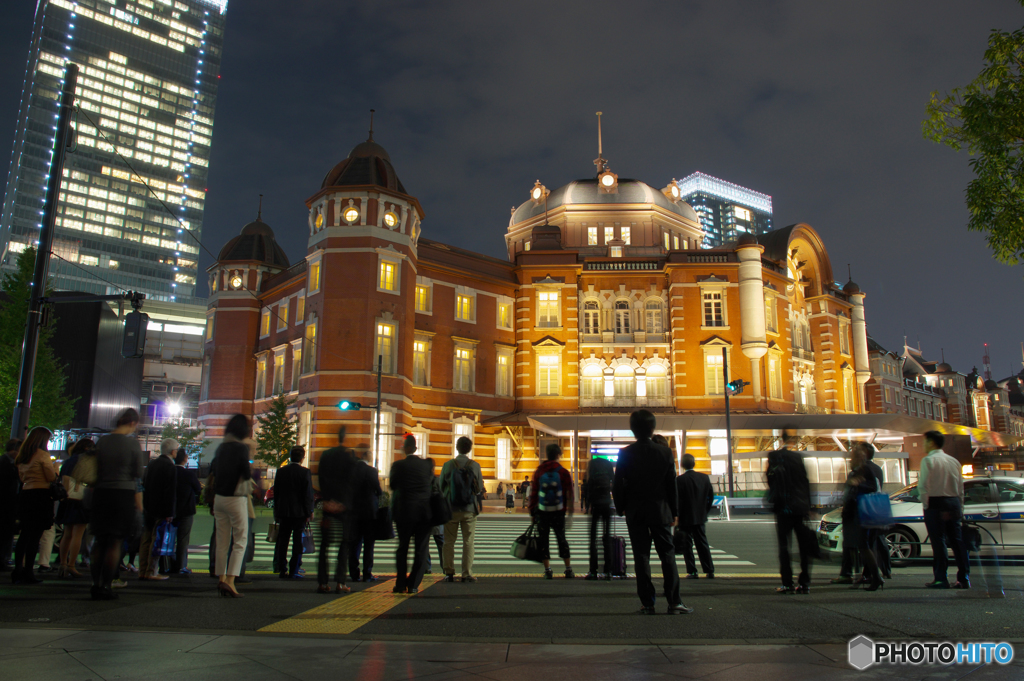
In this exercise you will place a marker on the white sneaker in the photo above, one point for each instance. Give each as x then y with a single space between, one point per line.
118 584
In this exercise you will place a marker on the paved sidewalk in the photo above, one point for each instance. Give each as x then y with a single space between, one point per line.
81 655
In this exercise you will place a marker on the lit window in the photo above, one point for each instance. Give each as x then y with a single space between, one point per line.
593 383
888 395
503 459
714 376
385 346
422 298
657 382
654 318
547 309
624 232
90 260
265 323
503 376
282 316
383 440
609 234
209 328
548 374
591 317
261 378
592 236
314 276
300 308
675 242
526 245
419 362
713 315
505 315
769 313
774 379
351 214
387 276
851 404
464 307
390 219
279 373
296 366
665 239
625 382
615 251
622 317
844 338
463 369
462 430
309 351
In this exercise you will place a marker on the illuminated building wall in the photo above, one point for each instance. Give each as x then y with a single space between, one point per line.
726 210
147 85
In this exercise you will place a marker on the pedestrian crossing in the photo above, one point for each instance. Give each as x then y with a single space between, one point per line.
493 540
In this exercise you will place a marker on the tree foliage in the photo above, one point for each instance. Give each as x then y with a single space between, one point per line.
52 407
277 431
192 439
986 117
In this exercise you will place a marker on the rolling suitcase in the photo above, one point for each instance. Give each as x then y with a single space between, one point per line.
615 549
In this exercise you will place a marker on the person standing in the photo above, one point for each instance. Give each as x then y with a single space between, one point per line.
880 545
187 490
600 476
72 512
524 490
412 483
365 503
861 481
510 499
696 498
116 501
789 492
335 479
645 493
461 482
9 485
35 505
550 500
941 490
159 494
293 507
232 479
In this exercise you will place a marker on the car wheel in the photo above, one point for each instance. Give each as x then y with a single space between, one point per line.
903 546
270 504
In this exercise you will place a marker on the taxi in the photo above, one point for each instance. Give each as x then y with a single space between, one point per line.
995 505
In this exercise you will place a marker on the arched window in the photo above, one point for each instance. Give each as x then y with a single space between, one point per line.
622 325
654 319
593 382
591 317
625 381
657 382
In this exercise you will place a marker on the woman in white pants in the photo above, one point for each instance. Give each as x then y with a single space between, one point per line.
232 485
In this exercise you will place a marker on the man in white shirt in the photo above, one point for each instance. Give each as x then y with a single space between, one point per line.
940 487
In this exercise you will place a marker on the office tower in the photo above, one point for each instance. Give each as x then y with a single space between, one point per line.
147 90
726 210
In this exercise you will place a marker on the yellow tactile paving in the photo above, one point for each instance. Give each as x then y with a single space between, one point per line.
345 614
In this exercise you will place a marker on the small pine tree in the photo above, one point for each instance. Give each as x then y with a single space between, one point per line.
277 432
192 439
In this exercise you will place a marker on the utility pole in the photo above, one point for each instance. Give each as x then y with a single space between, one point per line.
376 445
728 422
30 345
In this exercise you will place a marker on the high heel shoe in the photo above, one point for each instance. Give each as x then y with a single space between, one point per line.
226 591
875 586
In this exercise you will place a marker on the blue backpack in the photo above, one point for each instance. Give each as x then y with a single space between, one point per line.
549 492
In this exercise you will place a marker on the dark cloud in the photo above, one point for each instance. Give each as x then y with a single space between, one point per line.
817 103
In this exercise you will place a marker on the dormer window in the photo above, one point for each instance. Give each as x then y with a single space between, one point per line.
390 219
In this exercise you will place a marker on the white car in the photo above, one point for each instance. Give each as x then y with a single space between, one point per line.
995 505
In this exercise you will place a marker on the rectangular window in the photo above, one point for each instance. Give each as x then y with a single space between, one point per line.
296 367
382 440
848 394
505 315
419 363
526 245
774 379
461 430
261 378
713 309
503 459
609 234
314 276
309 351
279 373
463 369
422 298
305 428
503 376
665 239
385 347
204 387
714 375
548 374
547 308
464 307
844 338
265 323
675 242
888 395
386 281
209 328
592 236
282 316
300 309
769 312
624 231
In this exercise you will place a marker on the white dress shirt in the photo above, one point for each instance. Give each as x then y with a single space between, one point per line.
940 476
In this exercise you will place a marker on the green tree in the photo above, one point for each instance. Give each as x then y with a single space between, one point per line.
986 117
51 405
192 439
277 431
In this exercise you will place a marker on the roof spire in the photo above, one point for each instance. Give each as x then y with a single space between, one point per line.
849 272
600 161
371 125
259 211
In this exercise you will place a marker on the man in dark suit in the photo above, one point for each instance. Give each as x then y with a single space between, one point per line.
159 495
696 497
365 502
187 491
334 475
293 506
789 492
645 492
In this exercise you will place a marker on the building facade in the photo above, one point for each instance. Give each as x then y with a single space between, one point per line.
606 303
726 211
147 90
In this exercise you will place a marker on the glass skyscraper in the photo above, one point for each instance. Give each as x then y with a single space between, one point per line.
726 210
147 90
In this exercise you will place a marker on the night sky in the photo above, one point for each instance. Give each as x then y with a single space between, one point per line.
818 104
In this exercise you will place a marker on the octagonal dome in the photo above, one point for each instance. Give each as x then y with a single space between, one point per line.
255 243
588 192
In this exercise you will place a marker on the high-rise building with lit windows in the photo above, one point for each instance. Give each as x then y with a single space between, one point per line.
727 211
131 204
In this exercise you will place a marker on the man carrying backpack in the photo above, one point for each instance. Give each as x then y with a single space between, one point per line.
551 497
461 483
789 493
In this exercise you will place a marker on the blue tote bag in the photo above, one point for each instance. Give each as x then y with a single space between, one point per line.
874 510
165 538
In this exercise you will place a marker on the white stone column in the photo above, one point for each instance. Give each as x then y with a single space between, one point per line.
754 343
861 363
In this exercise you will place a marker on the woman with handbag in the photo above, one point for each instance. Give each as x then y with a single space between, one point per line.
861 482
233 486
35 503
72 511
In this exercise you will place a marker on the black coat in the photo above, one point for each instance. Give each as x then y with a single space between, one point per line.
188 489
293 492
160 488
645 484
334 475
9 486
230 464
696 497
366 491
789 490
412 480
600 476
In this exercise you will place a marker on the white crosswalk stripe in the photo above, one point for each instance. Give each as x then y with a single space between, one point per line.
493 539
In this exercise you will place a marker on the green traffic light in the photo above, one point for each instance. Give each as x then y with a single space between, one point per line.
345 405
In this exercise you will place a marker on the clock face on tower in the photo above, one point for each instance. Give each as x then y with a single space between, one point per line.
390 219
236 281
